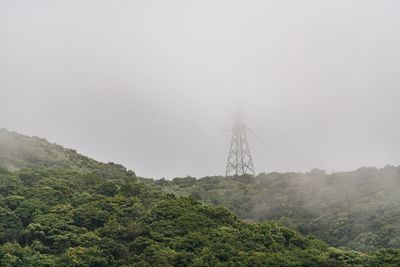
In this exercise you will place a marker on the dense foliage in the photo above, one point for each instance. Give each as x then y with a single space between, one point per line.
53 217
85 213
359 210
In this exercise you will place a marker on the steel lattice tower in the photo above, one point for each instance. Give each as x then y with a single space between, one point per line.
239 160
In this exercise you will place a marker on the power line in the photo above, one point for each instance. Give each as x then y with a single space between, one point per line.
297 158
142 112
283 157
154 114
161 113
145 105
269 162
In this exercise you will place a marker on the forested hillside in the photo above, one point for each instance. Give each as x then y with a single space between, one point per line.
102 215
18 151
359 210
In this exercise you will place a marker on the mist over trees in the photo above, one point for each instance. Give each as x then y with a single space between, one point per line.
358 210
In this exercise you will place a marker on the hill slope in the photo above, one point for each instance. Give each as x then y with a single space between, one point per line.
102 215
18 151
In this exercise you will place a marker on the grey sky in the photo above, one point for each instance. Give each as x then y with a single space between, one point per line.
153 84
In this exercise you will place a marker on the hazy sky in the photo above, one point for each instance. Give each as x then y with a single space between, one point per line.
153 84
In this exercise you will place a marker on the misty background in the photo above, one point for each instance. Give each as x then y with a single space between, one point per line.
153 84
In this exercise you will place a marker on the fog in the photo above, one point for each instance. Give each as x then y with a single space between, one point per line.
153 84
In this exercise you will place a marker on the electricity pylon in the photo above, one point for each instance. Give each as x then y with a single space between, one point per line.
239 159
